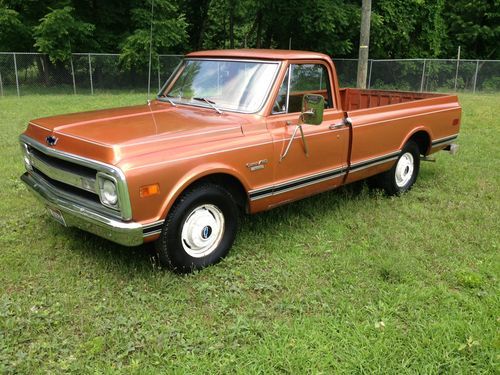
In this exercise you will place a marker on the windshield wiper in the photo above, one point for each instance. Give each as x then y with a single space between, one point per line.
167 98
210 103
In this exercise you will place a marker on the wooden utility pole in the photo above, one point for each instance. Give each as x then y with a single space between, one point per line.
364 41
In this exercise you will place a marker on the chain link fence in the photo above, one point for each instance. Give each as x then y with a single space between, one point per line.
424 74
84 73
90 73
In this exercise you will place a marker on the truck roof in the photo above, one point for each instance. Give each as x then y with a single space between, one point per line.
263 54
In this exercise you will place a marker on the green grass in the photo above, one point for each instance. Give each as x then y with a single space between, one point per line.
347 281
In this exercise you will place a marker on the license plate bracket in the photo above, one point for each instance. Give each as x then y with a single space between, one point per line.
57 215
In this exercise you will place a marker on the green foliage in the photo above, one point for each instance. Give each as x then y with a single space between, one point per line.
407 28
399 28
59 33
475 26
169 32
14 35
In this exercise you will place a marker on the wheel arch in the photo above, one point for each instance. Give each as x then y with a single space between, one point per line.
422 137
220 175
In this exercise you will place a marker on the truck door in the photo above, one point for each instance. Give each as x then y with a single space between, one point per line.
298 175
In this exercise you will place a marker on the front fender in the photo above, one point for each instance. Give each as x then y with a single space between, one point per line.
195 174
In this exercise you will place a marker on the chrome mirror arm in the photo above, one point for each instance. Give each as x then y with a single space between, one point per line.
306 149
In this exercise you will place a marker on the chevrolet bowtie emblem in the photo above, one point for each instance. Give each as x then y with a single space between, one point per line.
51 140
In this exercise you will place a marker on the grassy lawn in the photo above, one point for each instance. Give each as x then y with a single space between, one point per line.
347 281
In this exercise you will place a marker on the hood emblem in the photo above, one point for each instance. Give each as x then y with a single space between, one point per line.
51 140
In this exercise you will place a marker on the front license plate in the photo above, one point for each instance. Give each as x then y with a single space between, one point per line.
56 215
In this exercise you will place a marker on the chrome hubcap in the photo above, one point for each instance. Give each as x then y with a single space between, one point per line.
202 230
404 169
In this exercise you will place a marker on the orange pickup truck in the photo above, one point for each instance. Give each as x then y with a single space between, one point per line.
230 130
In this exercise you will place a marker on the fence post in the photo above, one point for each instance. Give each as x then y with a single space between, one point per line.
370 75
73 75
159 82
423 77
17 78
1 85
475 77
90 75
458 64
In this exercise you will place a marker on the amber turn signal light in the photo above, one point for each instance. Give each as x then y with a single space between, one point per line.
148 190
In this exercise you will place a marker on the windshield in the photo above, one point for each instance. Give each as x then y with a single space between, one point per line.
229 85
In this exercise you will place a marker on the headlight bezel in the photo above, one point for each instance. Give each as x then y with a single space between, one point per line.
101 178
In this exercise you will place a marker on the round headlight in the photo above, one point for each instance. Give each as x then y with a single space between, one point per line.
109 192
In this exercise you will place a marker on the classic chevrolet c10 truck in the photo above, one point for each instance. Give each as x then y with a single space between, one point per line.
233 130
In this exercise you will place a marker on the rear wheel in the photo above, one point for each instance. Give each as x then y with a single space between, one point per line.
199 229
401 177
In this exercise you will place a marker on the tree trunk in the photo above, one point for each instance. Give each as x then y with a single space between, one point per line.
231 24
259 29
204 18
364 41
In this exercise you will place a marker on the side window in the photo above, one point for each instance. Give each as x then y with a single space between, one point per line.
304 79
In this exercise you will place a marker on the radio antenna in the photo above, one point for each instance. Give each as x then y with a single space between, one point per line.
150 48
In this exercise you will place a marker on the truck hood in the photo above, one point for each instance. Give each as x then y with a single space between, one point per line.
111 135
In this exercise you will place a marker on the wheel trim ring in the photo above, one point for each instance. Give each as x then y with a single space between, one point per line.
195 241
404 169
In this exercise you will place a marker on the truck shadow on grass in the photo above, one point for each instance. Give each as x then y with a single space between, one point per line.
114 257
298 216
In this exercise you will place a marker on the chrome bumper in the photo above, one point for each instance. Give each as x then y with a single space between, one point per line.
75 215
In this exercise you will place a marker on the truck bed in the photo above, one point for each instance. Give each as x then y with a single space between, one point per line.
361 99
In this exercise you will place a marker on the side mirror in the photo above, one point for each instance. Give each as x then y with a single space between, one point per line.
312 109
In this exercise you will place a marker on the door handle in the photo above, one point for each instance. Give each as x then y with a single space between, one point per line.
336 126
345 122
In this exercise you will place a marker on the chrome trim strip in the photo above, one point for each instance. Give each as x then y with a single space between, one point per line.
58 174
369 161
445 138
123 195
312 179
443 141
296 183
149 234
153 224
373 164
152 228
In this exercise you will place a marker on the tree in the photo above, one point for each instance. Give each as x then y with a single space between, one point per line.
407 28
169 32
59 34
475 26
15 35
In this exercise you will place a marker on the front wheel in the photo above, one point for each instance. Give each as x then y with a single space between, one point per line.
401 177
199 229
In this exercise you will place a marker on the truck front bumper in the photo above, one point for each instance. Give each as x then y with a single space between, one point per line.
76 215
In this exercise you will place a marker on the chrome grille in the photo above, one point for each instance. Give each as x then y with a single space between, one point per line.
75 177
63 171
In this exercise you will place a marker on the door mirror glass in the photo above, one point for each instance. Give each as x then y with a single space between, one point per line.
312 109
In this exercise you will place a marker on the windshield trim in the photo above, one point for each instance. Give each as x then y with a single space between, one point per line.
182 64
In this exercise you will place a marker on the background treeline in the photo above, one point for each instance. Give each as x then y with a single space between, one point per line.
400 28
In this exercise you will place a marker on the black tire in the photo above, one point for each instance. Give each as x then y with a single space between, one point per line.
389 180
206 199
